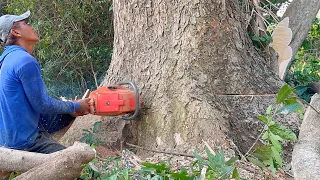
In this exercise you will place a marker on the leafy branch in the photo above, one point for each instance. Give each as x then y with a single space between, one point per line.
268 155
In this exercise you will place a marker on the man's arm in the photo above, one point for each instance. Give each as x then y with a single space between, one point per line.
34 88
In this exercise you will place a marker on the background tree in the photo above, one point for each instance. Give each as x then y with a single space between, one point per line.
76 42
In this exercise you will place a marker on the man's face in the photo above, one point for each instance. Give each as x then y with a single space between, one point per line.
27 32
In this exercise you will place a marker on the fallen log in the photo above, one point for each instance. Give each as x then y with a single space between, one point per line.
65 164
20 161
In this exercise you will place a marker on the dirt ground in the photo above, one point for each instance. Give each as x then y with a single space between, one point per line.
246 169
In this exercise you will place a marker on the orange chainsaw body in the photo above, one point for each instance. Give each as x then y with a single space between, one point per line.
112 100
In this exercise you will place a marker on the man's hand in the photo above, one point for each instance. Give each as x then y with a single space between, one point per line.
84 107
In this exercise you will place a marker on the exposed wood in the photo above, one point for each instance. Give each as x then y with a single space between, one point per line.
22 161
65 164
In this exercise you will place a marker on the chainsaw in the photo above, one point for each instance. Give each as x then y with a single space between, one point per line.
114 100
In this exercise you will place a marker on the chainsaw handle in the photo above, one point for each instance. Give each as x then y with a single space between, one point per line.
135 89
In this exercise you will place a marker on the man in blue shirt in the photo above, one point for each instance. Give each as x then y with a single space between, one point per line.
27 113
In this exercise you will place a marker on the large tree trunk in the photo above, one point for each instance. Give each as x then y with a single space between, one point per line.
198 73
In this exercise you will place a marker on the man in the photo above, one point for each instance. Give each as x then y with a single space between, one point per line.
27 113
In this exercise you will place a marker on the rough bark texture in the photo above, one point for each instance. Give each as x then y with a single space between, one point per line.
306 153
301 22
20 161
198 73
65 164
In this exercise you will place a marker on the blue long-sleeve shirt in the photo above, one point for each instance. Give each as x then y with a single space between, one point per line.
23 98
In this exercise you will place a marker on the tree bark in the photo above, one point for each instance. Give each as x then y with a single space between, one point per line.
197 70
306 154
20 161
65 164
301 14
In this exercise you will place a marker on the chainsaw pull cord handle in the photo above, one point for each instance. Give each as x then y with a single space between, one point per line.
135 89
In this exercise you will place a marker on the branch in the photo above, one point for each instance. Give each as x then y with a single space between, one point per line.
176 154
22 161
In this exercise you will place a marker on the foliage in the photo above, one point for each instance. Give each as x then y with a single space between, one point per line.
269 154
306 64
305 67
266 11
217 168
14 175
112 170
89 136
216 165
76 42
260 41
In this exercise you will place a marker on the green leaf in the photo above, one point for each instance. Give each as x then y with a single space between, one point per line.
265 135
125 173
158 167
113 177
235 174
271 123
210 156
263 119
275 142
96 126
263 152
290 100
224 172
183 174
283 132
288 109
199 158
301 89
271 164
257 162
276 155
95 160
217 160
232 161
284 93
269 110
